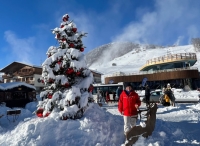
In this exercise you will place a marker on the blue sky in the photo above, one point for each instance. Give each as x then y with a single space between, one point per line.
25 25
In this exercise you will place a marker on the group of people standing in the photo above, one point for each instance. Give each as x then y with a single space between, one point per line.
115 95
129 102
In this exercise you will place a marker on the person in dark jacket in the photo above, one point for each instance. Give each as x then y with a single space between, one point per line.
118 92
147 95
128 105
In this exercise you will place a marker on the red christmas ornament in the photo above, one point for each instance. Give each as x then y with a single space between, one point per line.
51 80
47 114
74 30
62 26
65 17
42 81
58 36
71 45
61 58
66 85
78 73
69 71
49 96
59 62
39 113
63 40
81 49
90 89
64 118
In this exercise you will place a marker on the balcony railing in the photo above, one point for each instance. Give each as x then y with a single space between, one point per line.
150 72
172 57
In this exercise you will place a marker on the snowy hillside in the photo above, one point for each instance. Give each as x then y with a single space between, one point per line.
133 60
114 50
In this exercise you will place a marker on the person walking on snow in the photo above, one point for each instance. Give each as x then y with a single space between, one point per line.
99 96
147 95
128 105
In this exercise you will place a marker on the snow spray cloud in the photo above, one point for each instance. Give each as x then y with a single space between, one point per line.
168 22
20 48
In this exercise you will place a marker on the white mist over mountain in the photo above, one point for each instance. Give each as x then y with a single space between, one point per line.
107 61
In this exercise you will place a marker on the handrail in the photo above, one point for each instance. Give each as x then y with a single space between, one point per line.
151 72
171 57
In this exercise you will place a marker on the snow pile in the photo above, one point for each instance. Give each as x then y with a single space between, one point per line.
6 86
97 127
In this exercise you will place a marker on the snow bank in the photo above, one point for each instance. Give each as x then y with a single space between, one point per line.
97 127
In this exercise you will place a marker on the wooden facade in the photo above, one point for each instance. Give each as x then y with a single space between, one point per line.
97 76
17 95
19 72
182 74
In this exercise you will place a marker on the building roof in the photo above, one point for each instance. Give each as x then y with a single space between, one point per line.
12 67
96 71
6 86
170 61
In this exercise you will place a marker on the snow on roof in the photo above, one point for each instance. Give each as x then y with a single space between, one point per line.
21 63
5 86
28 64
96 71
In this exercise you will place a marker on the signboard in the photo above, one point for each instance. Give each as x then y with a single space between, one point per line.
144 81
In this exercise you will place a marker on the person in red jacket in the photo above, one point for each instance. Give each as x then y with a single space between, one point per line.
128 104
107 97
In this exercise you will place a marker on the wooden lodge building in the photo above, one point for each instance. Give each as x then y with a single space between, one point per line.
17 94
21 72
175 69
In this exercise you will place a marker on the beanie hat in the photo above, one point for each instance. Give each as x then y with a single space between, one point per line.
129 84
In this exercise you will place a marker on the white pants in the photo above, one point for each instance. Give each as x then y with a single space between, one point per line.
129 122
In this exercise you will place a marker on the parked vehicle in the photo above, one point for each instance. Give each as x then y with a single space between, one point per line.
157 96
106 88
154 97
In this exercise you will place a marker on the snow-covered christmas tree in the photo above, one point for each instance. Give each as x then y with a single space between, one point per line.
68 81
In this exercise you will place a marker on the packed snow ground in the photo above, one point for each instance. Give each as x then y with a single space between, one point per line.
100 126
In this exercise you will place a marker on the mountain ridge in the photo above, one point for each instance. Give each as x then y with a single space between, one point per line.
131 59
